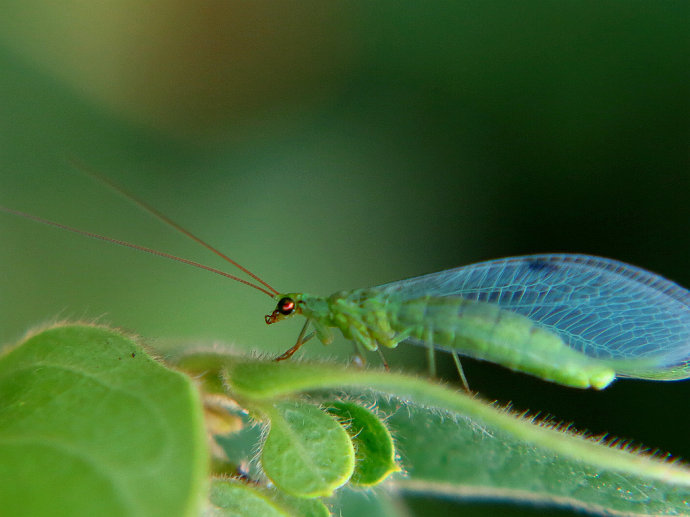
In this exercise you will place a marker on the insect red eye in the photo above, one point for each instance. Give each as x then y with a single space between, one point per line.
286 306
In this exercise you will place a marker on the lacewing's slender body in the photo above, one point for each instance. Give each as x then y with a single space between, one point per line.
576 320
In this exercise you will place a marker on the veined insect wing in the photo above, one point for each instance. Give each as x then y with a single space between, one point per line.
603 308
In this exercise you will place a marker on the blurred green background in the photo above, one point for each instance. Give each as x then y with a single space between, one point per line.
332 145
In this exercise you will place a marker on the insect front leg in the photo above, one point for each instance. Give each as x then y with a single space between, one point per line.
301 339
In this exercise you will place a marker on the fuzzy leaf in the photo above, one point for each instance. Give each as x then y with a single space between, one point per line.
232 498
374 449
91 425
455 445
307 452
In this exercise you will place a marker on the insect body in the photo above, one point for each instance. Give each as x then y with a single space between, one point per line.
576 320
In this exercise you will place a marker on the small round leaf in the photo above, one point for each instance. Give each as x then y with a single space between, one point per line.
307 452
374 448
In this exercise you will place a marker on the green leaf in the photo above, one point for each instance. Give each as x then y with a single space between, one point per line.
307 452
231 497
456 445
302 507
374 449
373 502
488 462
91 425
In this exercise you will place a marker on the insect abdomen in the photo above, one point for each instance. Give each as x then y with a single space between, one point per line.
485 331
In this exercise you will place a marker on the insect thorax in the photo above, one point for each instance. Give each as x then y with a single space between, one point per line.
362 316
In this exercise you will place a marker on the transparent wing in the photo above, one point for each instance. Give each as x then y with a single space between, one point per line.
601 307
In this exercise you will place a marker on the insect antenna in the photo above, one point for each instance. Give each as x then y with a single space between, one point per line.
103 180
134 246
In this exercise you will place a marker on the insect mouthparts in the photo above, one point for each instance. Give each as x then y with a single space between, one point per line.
271 318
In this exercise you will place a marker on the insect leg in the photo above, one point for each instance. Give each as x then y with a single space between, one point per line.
301 339
383 359
430 352
456 358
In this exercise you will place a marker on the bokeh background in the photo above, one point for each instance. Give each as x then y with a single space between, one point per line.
333 145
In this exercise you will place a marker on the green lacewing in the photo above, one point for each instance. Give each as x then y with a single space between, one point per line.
577 320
